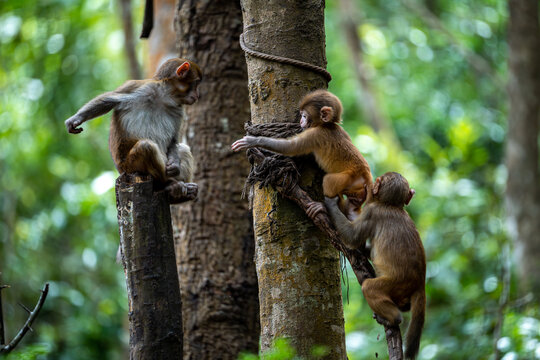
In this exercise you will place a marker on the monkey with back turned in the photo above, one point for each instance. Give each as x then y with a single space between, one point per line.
397 254
346 169
146 122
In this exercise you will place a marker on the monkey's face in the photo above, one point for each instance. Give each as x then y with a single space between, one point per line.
304 119
191 94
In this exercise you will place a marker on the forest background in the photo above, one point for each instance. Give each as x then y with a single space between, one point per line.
438 85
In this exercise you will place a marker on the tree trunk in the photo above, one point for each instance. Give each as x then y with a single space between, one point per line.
162 40
297 268
147 246
523 184
214 235
350 23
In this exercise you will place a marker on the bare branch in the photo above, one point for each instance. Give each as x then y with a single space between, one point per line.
33 314
2 334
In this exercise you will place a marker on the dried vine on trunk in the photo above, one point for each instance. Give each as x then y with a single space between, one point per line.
279 172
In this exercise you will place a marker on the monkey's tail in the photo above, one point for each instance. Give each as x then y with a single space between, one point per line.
418 308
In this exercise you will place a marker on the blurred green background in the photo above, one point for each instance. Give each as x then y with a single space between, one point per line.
448 124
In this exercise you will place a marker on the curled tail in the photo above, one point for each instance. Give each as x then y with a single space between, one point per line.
418 308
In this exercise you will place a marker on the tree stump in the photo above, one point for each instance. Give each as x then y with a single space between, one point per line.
148 257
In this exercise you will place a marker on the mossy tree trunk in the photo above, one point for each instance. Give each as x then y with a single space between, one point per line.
297 268
214 234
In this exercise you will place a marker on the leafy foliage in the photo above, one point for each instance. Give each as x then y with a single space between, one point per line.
58 215
450 121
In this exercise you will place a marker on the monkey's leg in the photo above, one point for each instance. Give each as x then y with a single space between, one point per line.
335 185
181 163
377 293
146 157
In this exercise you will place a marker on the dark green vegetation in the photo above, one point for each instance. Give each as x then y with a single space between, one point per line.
58 221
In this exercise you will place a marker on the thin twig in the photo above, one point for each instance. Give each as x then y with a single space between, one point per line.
503 300
2 333
9 347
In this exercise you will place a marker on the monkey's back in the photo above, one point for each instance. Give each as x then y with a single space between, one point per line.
397 251
338 154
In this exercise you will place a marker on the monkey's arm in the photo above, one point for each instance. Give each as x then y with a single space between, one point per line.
354 234
100 105
301 144
173 159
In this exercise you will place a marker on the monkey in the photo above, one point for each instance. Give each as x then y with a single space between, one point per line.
146 122
397 254
347 171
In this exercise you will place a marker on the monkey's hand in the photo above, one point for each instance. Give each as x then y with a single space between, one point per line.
314 208
244 143
331 203
72 124
172 168
180 192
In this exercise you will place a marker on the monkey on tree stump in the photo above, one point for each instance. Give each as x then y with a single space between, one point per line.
145 126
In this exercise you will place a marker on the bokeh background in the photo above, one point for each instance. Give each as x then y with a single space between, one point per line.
435 85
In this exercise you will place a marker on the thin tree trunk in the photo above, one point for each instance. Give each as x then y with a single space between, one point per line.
523 185
147 247
214 235
129 42
370 107
162 40
297 268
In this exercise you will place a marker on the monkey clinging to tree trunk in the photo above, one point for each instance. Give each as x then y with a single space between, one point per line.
146 122
347 172
396 251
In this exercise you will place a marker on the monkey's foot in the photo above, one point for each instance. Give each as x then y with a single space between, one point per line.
385 322
172 168
314 208
180 192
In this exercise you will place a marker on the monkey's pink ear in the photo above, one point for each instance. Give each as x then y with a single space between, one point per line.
409 197
327 113
183 70
376 186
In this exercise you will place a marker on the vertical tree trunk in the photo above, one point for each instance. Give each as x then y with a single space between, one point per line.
146 241
350 22
523 185
297 268
214 235
129 42
162 40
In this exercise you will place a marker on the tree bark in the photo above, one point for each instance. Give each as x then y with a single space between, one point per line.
214 235
523 184
297 268
147 246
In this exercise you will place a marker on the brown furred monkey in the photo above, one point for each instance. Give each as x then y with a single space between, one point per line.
396 251
347 172
146 122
